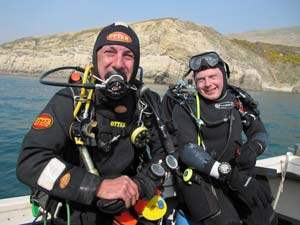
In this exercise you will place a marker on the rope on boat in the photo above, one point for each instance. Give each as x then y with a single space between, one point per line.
284 166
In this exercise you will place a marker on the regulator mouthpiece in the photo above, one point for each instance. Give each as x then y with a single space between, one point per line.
116 85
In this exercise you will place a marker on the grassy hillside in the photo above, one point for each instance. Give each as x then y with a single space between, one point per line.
289 36
285 60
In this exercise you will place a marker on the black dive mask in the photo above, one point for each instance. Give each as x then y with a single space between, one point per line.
116 85
208 60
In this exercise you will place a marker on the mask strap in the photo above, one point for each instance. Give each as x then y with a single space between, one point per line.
227 71
186 74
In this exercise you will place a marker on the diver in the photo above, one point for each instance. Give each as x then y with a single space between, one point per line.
219 184
94 162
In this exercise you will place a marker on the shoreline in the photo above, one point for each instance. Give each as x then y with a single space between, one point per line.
147 81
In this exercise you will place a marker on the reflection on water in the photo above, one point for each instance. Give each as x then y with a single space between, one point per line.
23 98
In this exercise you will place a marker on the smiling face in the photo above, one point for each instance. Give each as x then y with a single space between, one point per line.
209 83
116 57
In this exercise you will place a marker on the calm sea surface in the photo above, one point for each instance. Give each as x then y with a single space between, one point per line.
23 98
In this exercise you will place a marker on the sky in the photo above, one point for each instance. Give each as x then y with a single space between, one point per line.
26 18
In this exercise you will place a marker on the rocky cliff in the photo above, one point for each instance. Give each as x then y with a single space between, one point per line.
166 45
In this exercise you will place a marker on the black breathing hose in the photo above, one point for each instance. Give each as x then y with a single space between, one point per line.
167 140
61 84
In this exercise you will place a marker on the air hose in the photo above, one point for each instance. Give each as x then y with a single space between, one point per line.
88 82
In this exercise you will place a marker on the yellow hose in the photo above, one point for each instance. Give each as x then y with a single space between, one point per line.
89 97
198 117
87 71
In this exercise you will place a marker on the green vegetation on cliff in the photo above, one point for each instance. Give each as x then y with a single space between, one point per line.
285 60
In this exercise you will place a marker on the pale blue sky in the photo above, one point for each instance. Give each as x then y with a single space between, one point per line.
40 17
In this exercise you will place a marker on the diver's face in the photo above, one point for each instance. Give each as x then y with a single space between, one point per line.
116 57
209 83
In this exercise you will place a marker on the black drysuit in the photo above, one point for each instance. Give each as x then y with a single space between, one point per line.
211 202
50 161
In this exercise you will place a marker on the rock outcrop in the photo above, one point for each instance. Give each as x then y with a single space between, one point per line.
296 89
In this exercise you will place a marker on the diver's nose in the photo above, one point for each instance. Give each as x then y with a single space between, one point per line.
119 63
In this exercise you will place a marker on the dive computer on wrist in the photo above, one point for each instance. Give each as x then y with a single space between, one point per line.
224 169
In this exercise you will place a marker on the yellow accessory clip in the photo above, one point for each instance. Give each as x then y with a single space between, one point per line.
140 136
155 208
187 174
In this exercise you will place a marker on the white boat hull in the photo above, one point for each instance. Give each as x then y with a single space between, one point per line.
18 210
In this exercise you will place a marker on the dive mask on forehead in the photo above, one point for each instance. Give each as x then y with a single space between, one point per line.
208 59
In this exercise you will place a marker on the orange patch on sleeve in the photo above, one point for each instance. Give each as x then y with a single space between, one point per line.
43 121
64 180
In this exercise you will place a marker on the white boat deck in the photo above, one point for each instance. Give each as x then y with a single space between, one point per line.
17 210
279 162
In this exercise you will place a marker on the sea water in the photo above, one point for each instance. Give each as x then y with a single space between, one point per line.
22 98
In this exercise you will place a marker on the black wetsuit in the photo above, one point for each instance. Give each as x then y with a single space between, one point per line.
50 146
211 201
